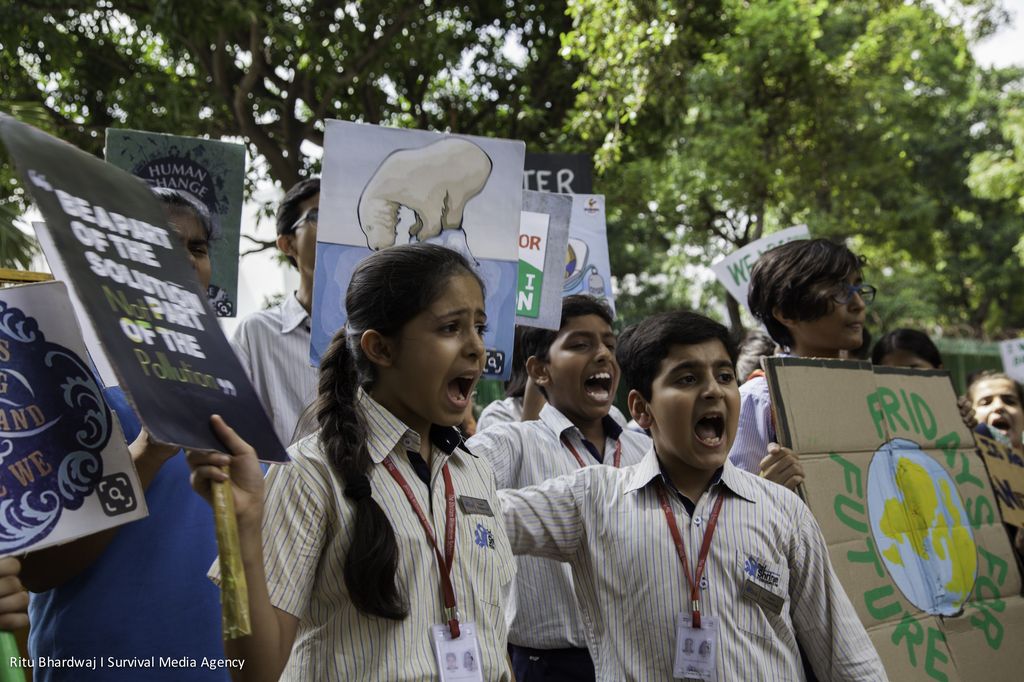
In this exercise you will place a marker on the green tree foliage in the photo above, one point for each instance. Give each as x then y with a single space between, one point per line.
722 121
271 72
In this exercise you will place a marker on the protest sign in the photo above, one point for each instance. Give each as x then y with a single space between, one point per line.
141 295
733 271
1013 358
908 513
210 170
387 186
65 470
559 173
1006 473
543 238
100 364
588 269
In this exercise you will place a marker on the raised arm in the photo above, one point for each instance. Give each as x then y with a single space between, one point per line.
267 649
827 626
546 520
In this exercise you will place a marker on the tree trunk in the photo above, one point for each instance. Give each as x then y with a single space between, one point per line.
735 323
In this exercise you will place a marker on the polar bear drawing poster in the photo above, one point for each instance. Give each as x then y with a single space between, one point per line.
386 186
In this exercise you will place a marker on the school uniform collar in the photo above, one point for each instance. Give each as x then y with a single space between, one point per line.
292 314
649 470
386 431
559 423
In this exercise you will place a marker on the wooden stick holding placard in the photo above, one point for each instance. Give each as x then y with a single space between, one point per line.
234 591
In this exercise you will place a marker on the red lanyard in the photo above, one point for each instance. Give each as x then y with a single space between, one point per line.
618 452
709 531
444 563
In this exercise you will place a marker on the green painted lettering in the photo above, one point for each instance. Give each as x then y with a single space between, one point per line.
851 475
965 475
994 563
909 629
932 654
976 508
872 597
925 417
868 556
842 501
986 621
949 444
993 600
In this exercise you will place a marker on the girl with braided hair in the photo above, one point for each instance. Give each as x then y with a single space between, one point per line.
377 551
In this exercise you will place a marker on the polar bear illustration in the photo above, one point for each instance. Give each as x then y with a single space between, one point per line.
434 182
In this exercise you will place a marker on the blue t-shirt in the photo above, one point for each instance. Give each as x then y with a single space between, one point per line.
146 596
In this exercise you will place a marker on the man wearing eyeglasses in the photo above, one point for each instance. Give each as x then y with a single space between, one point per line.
810 296
273 344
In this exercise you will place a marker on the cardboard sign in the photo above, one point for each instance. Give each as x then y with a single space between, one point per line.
543 238
65 470
908 513
211 171
141 295
388 186
588 269
1006 473
1013 358
559 173
733 271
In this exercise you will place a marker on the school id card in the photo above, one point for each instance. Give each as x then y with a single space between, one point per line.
696 649
458 660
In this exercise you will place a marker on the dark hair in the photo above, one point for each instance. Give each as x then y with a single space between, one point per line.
784 278
289 212
175 199
388 288
515 387
644 345
755 345
975 378
909 340
537 342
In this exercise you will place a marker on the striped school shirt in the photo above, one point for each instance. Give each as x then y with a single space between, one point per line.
543 612
755 428
511 410
307 530
273 347
609 526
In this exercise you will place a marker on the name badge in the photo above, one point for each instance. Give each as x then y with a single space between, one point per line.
762 596
458 660
474 505
696 648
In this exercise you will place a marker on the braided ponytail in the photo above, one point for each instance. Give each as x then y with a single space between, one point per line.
412 276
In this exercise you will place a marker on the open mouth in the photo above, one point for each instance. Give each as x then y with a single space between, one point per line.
710 429
1000 422
459 390
598 386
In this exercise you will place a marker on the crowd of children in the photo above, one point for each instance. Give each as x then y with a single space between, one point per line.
555 544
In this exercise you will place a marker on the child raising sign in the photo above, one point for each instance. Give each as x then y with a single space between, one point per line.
360 563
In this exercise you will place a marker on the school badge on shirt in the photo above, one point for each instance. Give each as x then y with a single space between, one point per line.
760 584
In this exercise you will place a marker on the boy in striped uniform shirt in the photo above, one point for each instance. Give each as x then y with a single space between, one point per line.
684 565
576 369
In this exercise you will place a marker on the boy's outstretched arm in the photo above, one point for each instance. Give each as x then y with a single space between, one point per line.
825 621
267 649
545 520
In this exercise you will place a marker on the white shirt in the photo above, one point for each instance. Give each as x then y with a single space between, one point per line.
307 530
609 526
273 347
511 410
543 612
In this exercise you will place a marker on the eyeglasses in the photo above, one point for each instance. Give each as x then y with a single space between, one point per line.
843 295
311 216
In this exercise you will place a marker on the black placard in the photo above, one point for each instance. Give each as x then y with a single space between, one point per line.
141 295
559 173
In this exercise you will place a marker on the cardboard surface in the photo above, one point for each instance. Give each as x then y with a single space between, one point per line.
909 515
1006 472
65 470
